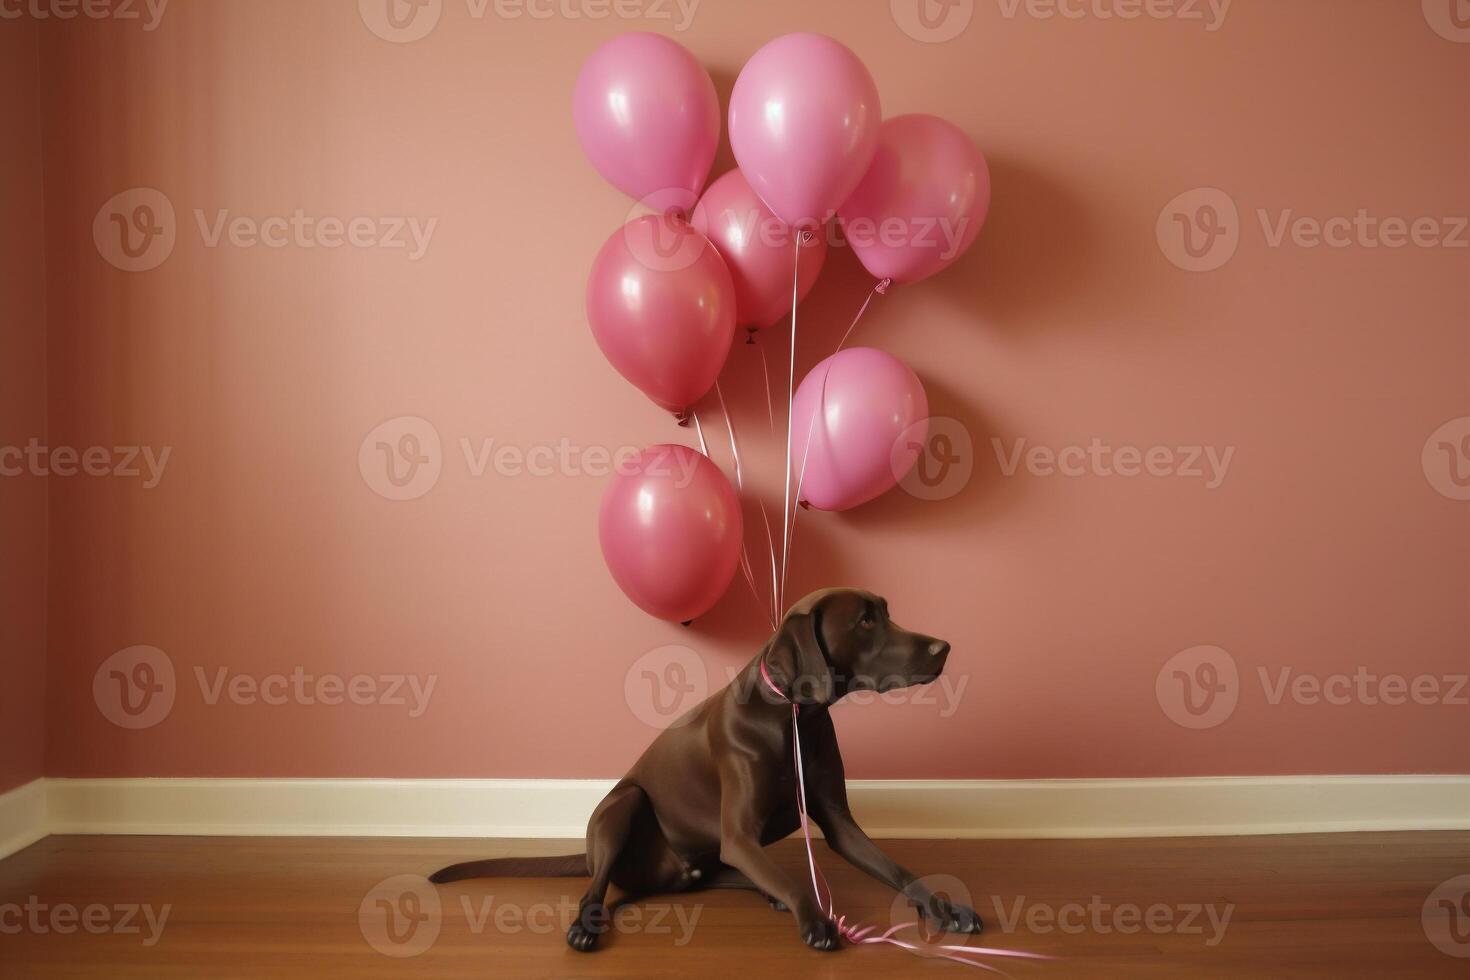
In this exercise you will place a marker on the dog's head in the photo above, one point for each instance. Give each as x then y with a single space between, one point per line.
837 641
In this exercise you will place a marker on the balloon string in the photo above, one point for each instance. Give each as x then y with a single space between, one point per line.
744 556
770 402
740 484
879 289
801 237
699 431
770 541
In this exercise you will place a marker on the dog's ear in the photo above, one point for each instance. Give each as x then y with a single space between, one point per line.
794 658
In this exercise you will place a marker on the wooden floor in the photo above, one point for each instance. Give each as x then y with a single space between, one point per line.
1306 906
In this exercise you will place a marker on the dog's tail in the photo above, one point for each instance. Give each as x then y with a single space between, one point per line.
561 866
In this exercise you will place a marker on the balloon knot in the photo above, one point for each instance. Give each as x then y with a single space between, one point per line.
750 337
806 505
682 418
805 236
882 288
686 622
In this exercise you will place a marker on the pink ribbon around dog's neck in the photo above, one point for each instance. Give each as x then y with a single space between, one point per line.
853 933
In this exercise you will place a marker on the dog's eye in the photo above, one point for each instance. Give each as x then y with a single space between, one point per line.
867 621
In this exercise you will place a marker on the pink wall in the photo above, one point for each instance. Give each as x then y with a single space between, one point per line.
22 414
1325 548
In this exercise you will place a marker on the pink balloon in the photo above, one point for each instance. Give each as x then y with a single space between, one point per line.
670 529
662 307
647 115
872 401
922 201
804 119
759 249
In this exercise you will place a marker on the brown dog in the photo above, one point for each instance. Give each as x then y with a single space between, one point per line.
714 788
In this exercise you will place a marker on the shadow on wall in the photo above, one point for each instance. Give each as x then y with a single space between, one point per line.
1033 220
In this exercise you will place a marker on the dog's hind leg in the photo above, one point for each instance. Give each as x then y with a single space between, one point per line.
607 832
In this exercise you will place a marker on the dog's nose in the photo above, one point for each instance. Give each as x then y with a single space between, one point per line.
938 648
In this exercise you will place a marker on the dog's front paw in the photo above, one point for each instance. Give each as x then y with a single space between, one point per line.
591 923
946 916
820 934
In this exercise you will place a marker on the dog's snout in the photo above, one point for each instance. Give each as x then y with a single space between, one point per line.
938 648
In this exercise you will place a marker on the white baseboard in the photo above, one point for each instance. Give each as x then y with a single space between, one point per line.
559 808
22 817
